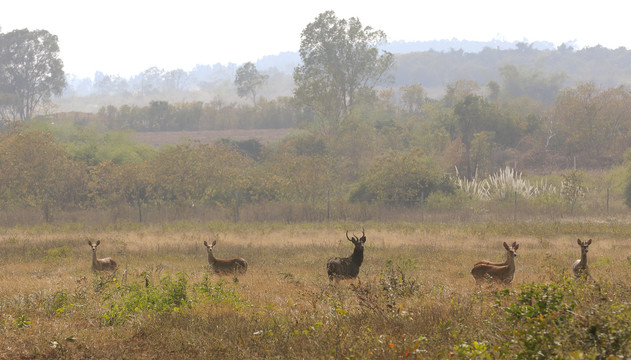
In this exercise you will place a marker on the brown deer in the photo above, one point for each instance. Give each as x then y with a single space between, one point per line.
225 266
500 272
348 267
580 266
100 264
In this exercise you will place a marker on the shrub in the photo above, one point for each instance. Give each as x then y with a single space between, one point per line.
169 295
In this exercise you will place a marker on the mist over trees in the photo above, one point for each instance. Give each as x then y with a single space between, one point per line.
356 139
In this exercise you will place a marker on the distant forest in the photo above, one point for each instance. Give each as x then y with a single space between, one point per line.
433 65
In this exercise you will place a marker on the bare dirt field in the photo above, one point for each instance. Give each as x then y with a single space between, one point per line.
161 138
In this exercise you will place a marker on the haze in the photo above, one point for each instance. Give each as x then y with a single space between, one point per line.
128 37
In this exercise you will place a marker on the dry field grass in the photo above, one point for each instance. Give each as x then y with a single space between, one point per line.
415 296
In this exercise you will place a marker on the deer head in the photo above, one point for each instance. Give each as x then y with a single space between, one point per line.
512 249
98 242
358 242
584 245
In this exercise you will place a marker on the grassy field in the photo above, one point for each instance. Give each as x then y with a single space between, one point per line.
415 297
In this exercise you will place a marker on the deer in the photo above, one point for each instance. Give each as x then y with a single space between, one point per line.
501 273
579 268
100 264
347 268
225 266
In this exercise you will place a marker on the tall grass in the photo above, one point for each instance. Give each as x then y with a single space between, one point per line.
503 184
415 297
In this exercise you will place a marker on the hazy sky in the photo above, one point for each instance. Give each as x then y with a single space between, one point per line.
128 37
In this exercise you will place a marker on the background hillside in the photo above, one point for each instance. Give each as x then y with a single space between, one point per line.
431 64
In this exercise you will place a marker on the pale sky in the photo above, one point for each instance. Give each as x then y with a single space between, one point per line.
127 37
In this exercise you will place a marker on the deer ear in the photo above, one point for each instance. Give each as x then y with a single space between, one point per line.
589 241
515 246
214 242
89 242
98 242
578 241
506 246
363 239
205 243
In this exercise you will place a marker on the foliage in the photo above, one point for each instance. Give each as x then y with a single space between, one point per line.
218 293
341 61
248 80
37 172
30 71
503 184
572 187
594 123
125 301
401 178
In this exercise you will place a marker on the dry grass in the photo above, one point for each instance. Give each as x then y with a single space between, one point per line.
52 305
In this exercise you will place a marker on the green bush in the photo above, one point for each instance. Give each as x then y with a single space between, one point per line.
169 295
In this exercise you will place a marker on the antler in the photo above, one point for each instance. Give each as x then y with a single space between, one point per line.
349 239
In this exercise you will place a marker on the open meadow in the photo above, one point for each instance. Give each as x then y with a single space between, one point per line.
415 296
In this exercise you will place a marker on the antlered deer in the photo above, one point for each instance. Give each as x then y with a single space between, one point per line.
100 264
225 266
499 272
348 267
580 266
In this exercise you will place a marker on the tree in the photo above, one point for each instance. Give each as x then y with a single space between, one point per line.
248 80
176 80
30 71
401 178
38 172
151 80
340 62
469 114
594 123
413 97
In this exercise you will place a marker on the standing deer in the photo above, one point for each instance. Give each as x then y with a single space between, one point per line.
100 264
348 267
580 266
225 266
500 272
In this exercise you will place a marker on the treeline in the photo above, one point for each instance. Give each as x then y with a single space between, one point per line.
383 153
215 115
83 171
491 125
433 69
603 66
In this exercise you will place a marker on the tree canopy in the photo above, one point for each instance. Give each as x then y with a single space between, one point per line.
340 62
248 80
30 71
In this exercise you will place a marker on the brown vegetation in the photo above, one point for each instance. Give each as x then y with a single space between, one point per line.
160 138
416 298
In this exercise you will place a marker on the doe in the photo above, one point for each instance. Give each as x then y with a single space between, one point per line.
100 264
225 266
580 266
499 272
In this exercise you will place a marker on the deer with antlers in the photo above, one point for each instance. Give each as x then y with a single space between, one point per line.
348 267
100 264
499 272
579 268
225 266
